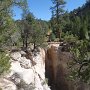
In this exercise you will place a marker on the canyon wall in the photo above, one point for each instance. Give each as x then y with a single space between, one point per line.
30 71
27 72
57 70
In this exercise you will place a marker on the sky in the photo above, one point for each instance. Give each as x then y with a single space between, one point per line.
41 8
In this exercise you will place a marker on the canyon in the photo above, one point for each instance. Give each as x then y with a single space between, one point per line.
57 71
46 69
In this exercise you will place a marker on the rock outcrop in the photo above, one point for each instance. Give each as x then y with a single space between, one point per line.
24 75
6 84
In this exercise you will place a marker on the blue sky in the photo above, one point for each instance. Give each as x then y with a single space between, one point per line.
41 8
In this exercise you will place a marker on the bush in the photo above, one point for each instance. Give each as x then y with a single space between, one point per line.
52 37
4 62
70 38
80 65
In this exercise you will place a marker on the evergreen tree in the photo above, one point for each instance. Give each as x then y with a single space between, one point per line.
7 28
7 24
57 11
33 31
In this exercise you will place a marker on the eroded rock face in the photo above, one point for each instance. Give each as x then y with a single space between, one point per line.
5 84
24 75
62 72
57 70
51 64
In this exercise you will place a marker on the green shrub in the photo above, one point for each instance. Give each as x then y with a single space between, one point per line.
70 38
80 65
4 62
52 37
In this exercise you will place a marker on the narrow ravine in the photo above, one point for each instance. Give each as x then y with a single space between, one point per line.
57 70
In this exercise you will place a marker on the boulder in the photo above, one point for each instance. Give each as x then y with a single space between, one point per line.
6 84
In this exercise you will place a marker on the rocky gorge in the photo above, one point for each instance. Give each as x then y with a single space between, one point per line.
57 72
43 70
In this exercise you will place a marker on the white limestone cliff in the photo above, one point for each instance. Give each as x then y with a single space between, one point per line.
24 75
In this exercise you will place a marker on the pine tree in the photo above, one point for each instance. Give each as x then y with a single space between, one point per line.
7 24
57 10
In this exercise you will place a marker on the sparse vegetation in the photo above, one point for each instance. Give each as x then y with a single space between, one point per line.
4 62
72 28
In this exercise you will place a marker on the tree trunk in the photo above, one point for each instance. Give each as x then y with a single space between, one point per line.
23 42
57 14
57 17
34 46
26 43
